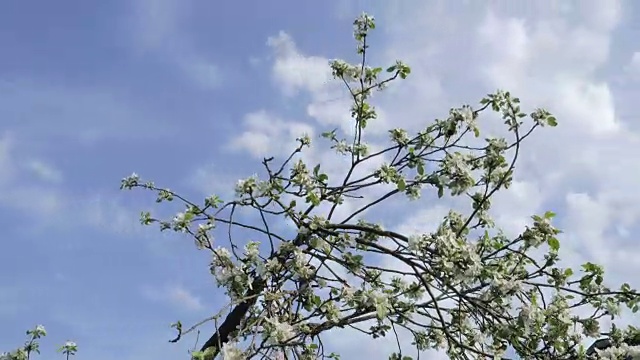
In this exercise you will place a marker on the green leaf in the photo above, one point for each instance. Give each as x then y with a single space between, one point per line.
198 355
177 325
313 199
420 168
552 121
568 272
554 243
401 184
330 134
440 191
549 215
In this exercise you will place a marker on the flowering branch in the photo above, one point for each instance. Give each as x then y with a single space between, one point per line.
466 288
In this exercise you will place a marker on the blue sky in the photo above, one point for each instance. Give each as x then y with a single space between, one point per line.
192 94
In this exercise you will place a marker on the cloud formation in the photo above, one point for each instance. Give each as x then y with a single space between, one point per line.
158 28
175 295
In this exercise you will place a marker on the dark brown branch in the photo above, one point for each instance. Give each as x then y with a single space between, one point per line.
234 319
239 312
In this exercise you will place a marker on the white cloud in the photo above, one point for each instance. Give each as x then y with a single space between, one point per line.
18 194
592 148
267 135
48 205
633 68
158 27
295 72
44 171
6 165
155 24
585 169
513 208
41 202
603 16
203 73
80 114
212 179
308 78
423 221
517 58
105 212
175 295
181 296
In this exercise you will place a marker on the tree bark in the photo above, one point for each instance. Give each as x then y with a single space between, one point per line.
239 312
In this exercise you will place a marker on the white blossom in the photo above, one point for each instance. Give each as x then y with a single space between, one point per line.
252 250
230 351
281 332
381 303
415 243
615 353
